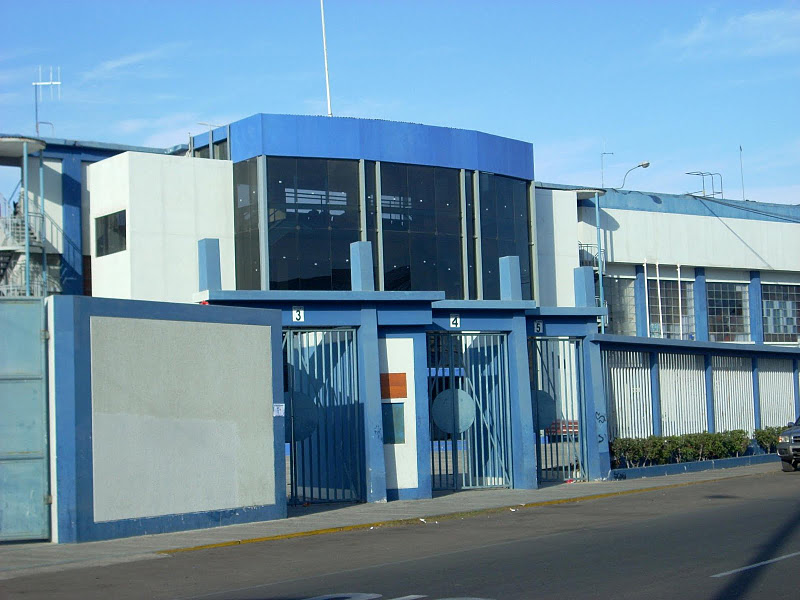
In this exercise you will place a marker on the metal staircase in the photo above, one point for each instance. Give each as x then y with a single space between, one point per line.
12 250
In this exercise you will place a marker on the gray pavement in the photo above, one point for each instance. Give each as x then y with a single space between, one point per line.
18 560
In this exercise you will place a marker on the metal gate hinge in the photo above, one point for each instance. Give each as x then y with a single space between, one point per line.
45 335
48 499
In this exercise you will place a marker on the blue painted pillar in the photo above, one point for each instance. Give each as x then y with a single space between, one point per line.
640 302
595 418
756 395
362 275
510 278
710 417
700 305
71 262
370 400
655 393
523 445
424 482
209 271
584 287
796 388
278 422
756 308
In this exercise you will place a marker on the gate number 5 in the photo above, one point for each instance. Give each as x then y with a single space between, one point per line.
298 314
455 321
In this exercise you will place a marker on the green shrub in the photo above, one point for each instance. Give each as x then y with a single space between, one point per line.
767 438
662 450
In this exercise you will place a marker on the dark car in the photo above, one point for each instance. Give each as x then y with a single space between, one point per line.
789 446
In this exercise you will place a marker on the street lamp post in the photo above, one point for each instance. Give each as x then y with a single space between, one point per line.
643 165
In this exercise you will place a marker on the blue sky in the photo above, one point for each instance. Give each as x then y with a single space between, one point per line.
681 84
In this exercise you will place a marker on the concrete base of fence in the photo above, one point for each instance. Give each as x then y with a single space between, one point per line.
692 467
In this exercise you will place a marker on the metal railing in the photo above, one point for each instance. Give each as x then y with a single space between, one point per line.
587 256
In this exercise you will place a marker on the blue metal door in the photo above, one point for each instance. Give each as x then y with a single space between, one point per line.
324 420
468 394
24 477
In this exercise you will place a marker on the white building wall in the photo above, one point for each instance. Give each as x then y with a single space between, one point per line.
53 204
172 202
557 252
678 239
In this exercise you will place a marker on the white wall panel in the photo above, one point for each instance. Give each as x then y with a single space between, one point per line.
733 393
776 392
628 394
181 417
683 393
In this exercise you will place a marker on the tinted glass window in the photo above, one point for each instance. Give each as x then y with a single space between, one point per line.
313 219
201 152
245 225
372 214
110 236
504 230
421 228
221 150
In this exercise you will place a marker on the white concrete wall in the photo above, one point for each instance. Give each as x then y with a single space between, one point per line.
53 204
557 238
396 355
172 203
109 191
638 236
181 428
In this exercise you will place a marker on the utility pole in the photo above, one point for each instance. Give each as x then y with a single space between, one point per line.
741 171
603 154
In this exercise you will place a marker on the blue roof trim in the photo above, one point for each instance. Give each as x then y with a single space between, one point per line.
371 139
693 205
314 296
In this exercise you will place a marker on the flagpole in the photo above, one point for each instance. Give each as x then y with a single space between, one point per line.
741 171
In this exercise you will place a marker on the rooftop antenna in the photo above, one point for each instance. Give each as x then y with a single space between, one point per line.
37 93
603 154
703 192
325 52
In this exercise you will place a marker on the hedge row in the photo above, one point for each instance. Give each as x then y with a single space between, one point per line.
661 450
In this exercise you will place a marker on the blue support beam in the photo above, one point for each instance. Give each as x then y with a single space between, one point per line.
584 287
510 278
523 445
756 395
209 270
655 393
595 418
756 308
700 305
370 399
362 275
709 373
640 302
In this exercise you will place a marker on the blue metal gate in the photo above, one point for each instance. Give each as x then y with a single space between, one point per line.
324 420
24 477
557 390
468 392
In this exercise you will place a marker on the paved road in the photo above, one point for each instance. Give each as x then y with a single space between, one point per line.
674 543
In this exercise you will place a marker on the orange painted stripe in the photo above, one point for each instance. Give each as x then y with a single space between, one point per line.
393 385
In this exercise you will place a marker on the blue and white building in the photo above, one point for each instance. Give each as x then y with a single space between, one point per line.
436 318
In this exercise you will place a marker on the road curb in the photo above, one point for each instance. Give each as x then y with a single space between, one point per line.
439 517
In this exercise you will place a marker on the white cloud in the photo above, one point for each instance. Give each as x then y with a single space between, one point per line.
755 34
124 64
169 130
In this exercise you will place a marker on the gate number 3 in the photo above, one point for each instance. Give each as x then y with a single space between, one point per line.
455 321
298 314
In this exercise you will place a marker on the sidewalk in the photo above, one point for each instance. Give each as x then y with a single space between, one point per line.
18 560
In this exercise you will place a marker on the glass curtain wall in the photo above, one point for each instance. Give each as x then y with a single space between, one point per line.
781 312
245 225
421 228
504 230
728 312
472 279
675 317
313 218
372 215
